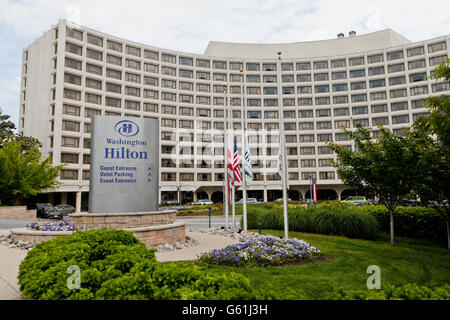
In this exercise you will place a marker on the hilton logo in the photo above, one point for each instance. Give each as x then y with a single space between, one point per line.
127 128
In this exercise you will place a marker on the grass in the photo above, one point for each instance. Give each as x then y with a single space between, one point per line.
410 261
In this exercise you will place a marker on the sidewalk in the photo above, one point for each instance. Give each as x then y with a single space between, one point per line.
10 259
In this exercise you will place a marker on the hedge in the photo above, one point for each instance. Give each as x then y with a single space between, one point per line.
115 265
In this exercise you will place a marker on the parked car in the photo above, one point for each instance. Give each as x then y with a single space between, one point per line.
65 209
356 201
48 211
281 200
249 200
204 202
169 203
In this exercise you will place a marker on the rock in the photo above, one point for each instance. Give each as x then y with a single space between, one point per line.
179 246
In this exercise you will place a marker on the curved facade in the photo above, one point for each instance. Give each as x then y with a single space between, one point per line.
72 73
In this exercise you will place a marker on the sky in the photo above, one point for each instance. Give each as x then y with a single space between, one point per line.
188 26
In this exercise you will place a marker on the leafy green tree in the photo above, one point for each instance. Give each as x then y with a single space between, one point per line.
24 173
384 165
432 137
6 127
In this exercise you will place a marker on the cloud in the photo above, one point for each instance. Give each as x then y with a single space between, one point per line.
189 25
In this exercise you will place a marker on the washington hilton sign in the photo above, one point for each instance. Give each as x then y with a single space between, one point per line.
124 165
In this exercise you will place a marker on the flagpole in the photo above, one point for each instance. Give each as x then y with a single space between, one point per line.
225 205
244 148
283 149
233 195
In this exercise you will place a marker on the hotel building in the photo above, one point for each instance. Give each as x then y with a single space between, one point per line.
72 73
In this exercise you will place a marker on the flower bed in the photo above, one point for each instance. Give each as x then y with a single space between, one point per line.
264 251
53 226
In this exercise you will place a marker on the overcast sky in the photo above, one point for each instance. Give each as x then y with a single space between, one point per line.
188 25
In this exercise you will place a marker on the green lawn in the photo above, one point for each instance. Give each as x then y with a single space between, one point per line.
410 261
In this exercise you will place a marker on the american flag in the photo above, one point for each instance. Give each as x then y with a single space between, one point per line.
236 168
314 190
230 171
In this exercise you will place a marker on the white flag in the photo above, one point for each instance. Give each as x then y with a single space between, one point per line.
280 161
247 162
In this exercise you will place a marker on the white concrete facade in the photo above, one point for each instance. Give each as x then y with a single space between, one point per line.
73 72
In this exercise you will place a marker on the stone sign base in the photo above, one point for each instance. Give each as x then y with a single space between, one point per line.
34 237
17 213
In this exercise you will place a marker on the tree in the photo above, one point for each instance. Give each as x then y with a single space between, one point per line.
384 165
433 140
6 128
24 173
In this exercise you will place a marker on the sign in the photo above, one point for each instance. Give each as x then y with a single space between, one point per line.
124 165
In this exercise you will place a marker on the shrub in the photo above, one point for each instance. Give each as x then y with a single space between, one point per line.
406 292
264 251
115 265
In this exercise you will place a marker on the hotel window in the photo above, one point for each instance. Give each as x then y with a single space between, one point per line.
323 113
378 108
289 102
203 63
398 106
326 163
152 68
437 47
71 78
255 126
363 122
112 102
114 46
112 87
437 60
93 84
341 124
203 75
417 115
306 125
419 90
86 174
322 101
173 177
201 87
339 75
304 102
267 114
203 100
269 79
203 113
322 89
151 55
186 124
72 94
86 143
91 68
376 71
322 125
339 112
377 83
115 74
358 85
71 110
308 175
86 158
326 175
342 136
287 66
324 137
340 99
150 107
417 104
303 66
356 61
359 110
306 138
186 73
93 98
73 48
416 64
303 78
253 66
394 55
357 73
71 63
132 105
270 90
132 64
70 126
168 58
168 96
415 51
169 71
133 51
381 95
400 119
89 113
150 81
235 90
168 136
131 77
95 40
253 90
221 114
291 138
114 60
269 67
307 150
305 114
396 68
70 142
218 101
69 174
359 98
418 77
219 65
74 34
338 63
439 87
219 77
320 65
381 121
168 84
132 91
397 81
219 125
186 86
320 76
186 98
270 102
287 78
87 128
254 115
236 114
235 78
375 58
290 126
304 89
